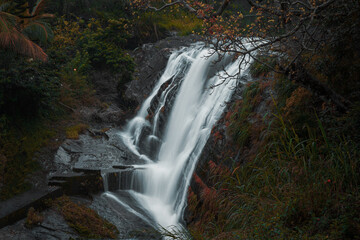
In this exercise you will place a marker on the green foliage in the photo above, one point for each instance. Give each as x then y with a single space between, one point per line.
303 184
29 92
40 31
106 9
150 26
185 24
21 25
242 110
73 132
27 88
103 46
264 65
283 88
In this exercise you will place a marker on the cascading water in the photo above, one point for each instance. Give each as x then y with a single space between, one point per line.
172 147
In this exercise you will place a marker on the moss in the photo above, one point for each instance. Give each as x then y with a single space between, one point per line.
85 220
74 131
34 218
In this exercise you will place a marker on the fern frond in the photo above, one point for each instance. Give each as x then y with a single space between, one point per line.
21 44
40 31
38 7
11 38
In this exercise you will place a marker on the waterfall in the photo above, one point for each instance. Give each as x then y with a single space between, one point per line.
171 145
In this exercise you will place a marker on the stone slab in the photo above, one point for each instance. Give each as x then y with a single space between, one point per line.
16 208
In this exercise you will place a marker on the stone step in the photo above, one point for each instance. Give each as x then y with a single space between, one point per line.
123 167
87 171
56 183
16 208
66 176
86 182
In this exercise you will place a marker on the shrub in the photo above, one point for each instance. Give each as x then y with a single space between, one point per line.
104 42
27 88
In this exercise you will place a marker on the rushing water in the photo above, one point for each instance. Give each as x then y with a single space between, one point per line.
160 186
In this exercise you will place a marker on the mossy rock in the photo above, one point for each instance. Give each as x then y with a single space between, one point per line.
84 220
74 131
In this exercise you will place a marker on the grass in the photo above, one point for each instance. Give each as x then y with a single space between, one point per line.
184 24
172 20
303 184
242 110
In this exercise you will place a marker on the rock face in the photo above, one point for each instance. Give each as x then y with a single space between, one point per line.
93 151
53 227
16 208
151 60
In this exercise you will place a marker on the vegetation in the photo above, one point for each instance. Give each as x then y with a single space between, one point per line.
35 93
21 25
291 172
73 132
33 218
297 176
84 220
294 169
45 68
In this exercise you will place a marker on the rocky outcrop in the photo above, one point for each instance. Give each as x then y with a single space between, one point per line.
16 208
151 60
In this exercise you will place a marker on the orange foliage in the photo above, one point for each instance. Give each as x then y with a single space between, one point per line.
298 98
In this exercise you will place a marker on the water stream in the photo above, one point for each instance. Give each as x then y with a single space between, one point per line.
171 141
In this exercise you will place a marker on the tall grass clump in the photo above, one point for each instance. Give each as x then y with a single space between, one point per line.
296 188
303 182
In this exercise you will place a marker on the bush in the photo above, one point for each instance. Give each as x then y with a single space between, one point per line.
27 88
104 45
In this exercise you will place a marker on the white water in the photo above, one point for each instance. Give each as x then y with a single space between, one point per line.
164 181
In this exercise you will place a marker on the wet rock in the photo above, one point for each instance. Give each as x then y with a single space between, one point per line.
151 60
17 207
89 152
53 227
123 167
109 116
131 225
124 179
106 85
86 182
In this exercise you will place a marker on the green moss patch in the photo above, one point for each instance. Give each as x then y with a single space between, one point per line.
74 131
